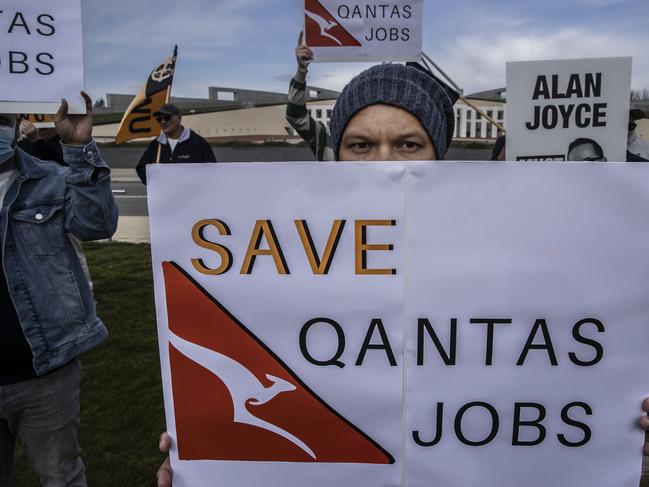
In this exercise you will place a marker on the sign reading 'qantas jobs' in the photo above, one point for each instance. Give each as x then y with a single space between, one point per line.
41 56
340 30
402 324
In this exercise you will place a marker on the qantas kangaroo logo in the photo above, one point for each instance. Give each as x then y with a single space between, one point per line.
234 399
243 386
322 28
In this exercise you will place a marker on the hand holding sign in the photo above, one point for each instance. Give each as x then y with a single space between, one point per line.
164 474
303 53
644 424
74 129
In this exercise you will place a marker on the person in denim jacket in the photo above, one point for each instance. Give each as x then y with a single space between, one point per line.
47 309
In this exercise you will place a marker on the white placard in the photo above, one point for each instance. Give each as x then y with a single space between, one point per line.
41 55
285 293
574 109
341 30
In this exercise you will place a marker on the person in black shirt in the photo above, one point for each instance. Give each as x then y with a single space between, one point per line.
175 144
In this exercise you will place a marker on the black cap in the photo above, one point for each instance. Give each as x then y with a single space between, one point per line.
167 109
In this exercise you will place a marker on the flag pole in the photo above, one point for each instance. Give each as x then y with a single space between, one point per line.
167 99
426 59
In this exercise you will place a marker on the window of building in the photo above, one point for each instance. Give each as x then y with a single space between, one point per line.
478 116
469 115
225 95
501 115
329 112
468 131
490 113
318 113
478 129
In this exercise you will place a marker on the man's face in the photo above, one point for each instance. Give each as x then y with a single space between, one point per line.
585 152
385 133
170 124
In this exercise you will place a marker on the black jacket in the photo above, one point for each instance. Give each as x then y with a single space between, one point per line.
193 149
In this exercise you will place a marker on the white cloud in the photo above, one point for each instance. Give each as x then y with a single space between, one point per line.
478 62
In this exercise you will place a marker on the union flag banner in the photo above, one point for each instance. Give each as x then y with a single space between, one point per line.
402 324
138 121
365 30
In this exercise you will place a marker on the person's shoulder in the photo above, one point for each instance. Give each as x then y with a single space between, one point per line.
194 137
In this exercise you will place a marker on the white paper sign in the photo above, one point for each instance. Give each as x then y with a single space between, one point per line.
285 293
41 55
568 110
342 30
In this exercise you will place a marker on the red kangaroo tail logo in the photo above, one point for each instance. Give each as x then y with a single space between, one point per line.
322 28
234 399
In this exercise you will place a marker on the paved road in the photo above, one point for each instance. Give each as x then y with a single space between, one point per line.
131 196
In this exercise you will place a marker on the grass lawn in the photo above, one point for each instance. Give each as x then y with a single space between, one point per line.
122 412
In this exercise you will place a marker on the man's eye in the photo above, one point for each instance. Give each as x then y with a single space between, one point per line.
360 147
408 146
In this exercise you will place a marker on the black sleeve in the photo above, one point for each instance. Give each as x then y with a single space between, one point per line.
147 158
208 153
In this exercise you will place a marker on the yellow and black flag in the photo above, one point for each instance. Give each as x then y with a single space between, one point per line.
138 121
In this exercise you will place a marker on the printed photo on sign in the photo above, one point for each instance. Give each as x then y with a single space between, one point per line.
41 56
364 31
568 110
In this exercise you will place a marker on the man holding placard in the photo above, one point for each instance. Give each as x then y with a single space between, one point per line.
47 308
413 122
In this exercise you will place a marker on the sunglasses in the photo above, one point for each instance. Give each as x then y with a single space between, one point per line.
163 118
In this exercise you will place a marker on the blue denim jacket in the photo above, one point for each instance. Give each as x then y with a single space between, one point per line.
45 279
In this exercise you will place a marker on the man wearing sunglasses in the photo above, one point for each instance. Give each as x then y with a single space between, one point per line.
637 147
175 144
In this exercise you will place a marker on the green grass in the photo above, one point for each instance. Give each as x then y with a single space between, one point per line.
122 412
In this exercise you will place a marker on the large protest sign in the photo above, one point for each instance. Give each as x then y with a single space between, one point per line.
342 30
568 110
285 294
41 55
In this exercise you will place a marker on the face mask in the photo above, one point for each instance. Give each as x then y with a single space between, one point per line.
7 135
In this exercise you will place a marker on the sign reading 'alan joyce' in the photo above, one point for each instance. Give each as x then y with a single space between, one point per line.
41 55
341 30
568 110
293 300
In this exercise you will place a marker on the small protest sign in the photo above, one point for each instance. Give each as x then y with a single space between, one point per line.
341 30
342 324
568 110
41 56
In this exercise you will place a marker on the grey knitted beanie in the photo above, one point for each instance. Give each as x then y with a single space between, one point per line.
403 87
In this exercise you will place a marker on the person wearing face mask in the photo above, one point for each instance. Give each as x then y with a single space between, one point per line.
47 308
175 144
390 112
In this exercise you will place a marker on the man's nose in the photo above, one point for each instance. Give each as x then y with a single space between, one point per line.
385 152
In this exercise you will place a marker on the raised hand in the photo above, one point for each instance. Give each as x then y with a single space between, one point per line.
74 129
303 53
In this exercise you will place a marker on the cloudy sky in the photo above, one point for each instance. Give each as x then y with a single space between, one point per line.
250 43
